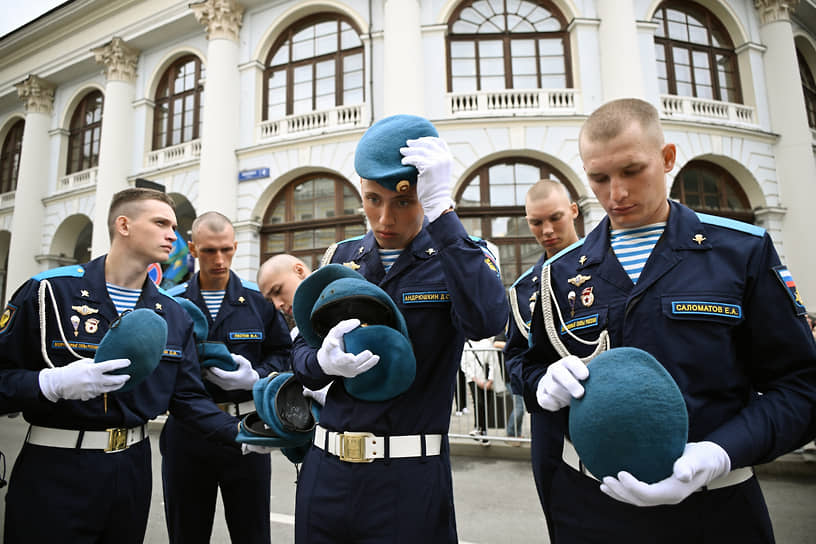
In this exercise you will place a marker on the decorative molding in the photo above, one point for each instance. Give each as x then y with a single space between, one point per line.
37 93
119 58
771 11
222 18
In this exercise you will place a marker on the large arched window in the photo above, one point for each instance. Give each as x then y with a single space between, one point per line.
507 44
316 64
695 55
708 188
85 133
10 157
309 215
491 206
179 102
808 88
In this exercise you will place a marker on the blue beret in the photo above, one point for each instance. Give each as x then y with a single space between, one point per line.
334 293
209 353
139 335
632 417
378 158
284 417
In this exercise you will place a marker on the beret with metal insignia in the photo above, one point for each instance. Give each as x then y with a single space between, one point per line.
631 417
378 158
139 335
334 293
209 353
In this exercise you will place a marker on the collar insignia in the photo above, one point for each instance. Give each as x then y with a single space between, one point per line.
84 293
158 306
582 260
430 251
352 264
699 238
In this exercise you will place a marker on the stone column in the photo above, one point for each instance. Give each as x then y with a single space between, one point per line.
403 84
218 182
621 74
32 182
795 167
120 61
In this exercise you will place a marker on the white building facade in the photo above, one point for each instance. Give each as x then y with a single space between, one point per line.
253 108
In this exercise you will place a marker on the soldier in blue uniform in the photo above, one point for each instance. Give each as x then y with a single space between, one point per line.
193 468
709 299
398 487
85 464
550 215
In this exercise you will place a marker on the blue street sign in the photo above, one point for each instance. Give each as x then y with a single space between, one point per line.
255 173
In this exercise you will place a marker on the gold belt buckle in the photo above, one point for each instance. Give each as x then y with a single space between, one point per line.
117 440
352 447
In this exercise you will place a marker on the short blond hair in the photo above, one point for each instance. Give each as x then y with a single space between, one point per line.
128 201
612 118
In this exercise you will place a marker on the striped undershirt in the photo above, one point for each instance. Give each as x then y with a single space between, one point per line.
389 257
213 301
632 247
123 298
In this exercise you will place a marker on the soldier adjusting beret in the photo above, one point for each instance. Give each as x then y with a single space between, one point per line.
378 156
139 335
632 417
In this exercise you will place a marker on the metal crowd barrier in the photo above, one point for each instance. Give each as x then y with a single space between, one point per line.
487 415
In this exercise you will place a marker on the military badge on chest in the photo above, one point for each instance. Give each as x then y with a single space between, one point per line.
587 297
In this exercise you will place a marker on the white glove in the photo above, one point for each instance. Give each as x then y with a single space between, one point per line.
430 156
252 448
332 356
83 379
243 378
319 396
561 383
700 463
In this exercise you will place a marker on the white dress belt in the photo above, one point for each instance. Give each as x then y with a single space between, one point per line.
238 409
366 447
736 476
110 440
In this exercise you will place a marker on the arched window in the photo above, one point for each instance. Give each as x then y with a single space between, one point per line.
179 102
10 157
491 206
708 188
85 133
316 64
309 215
507 44
695 55
808 88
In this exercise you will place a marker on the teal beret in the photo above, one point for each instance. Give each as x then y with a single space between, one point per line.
631 417
334 293
284 417
139 335
209 353
378 158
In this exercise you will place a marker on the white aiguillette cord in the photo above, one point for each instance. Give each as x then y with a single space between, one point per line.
46 285
601 344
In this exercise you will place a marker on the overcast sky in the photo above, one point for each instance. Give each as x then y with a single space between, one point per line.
16 13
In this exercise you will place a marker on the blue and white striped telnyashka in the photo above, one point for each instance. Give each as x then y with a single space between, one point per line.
632 247
389 257
123 298
213 301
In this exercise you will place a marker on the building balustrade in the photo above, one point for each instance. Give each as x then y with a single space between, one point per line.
78 180
175 154
514 102
703 109
7 200
331 120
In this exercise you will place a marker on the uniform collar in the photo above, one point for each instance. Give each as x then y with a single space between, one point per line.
98 293
234 295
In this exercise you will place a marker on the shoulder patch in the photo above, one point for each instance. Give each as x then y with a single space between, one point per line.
72 271
251 285
731 224
7 317
786 278
564 251
175 291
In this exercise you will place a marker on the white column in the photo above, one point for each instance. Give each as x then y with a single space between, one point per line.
402 58
793 151
218 184
620 65
120 61
32 182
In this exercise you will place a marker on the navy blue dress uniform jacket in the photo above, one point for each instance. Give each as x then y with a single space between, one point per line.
714 305
467 301
248 325
175 385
